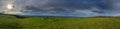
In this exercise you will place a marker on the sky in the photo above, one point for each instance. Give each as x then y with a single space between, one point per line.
75 8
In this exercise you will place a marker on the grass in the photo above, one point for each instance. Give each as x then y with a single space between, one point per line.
11 22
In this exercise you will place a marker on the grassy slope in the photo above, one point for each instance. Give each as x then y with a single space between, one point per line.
8 22
12 22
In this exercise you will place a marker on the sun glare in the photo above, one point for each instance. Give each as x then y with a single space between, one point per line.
9 6
10 10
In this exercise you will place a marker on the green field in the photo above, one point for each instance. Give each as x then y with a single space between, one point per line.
12 22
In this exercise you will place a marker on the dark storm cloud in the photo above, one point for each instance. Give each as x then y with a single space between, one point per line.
80 4
62 5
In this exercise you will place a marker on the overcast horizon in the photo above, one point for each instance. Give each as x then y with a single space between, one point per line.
76 8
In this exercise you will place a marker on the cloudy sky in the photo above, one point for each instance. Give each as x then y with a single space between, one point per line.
76 8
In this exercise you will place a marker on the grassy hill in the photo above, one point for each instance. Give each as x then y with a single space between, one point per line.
12 22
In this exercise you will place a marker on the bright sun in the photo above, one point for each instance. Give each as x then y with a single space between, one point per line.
9 6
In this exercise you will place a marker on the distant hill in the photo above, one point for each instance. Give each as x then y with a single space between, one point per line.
24 16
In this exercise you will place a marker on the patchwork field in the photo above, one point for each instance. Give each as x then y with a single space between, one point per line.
12 22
